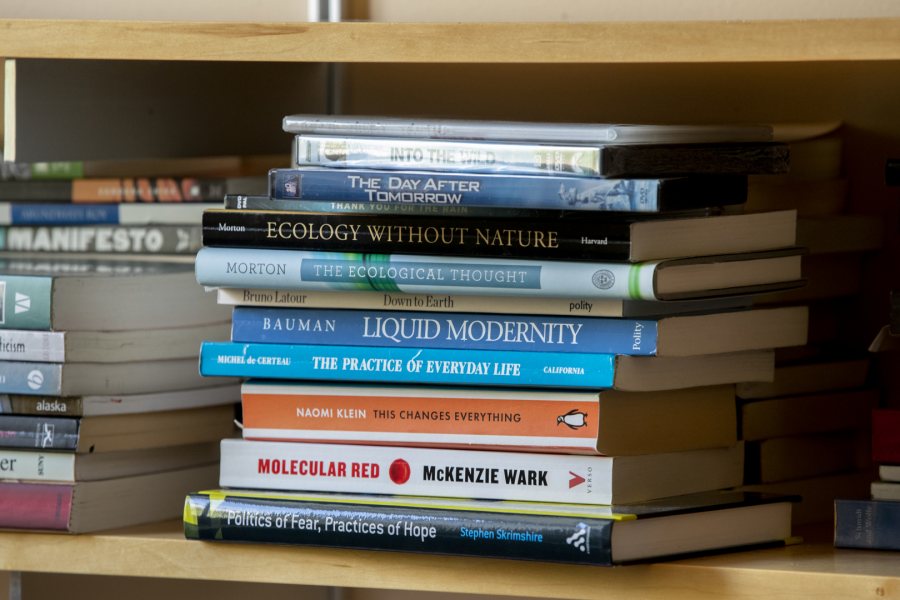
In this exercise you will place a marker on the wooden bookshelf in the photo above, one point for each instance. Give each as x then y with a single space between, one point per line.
804 570
764 71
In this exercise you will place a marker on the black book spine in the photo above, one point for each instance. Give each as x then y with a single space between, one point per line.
49 433
565 239
457 193
694 159
400 528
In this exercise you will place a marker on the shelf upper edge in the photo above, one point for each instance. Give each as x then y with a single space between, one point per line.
486 43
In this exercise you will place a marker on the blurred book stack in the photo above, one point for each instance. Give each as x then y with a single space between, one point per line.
104 420
148 207
808 432
442 310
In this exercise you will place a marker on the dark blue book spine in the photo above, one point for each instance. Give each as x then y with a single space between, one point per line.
63 214
557 538
449 189
411 329
873 524
407 365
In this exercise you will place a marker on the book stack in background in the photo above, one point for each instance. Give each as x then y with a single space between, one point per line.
104 421
807 432
148 207
509 321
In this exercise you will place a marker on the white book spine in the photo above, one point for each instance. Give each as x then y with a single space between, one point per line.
351 468
594 307
36 465
32 346
453 156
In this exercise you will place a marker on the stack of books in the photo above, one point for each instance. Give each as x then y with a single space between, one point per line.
528 318
807 431
104 420
148 207
874 523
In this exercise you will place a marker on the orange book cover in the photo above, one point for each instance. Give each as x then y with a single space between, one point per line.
422 416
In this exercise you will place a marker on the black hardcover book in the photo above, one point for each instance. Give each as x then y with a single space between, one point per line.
573 238
568 533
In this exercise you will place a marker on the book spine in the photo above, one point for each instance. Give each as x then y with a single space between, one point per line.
463 533
40 213
26 302
241 202
695 159
17 431
485 130
20 404
36 465
873 524
410 365
31 378
460 331
603 307
291 270
441 155
886 436
413 189
539 421
24 171
416 471
386 234
35 505
148 189
113 190
125 239
33 346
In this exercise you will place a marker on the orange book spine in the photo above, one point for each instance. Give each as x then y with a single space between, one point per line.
421 416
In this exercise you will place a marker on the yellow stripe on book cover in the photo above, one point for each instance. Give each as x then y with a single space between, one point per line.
468 505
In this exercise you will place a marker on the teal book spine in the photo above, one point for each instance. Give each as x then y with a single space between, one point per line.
422 274
407 365
25 302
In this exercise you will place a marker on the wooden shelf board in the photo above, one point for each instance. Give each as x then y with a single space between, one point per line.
159 550
522 43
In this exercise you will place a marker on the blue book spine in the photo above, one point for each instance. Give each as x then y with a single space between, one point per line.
30 378
64 214
407 365
409 329
421 274
873 524
414 188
